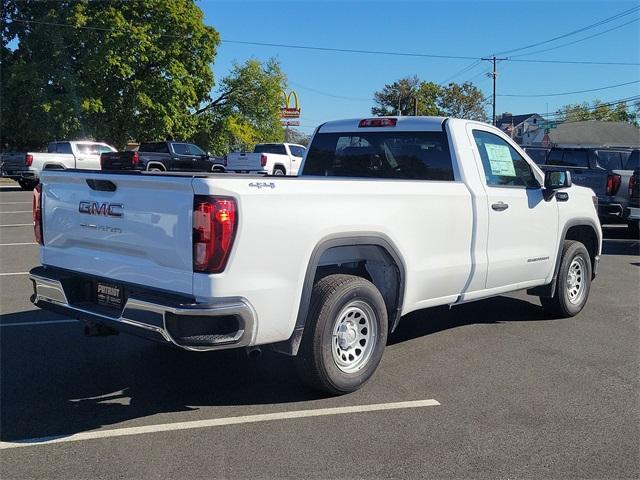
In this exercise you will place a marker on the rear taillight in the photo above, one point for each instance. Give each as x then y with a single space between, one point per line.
263 160
135 159
28 159
632 182
37 214
215 220
613 184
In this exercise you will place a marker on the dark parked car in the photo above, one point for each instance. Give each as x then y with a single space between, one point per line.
163 157
537 154
601 169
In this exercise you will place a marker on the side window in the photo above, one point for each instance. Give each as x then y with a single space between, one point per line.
63 147
503 166
297 151
609 160
180 148
195 150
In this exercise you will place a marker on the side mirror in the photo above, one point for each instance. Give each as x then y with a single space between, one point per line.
557 179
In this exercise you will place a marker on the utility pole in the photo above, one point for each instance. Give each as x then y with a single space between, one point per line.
415 106
493 74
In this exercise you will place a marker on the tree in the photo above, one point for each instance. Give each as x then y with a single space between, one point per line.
121 70
407 95
293 135
245 110
403 96
599 110
462 101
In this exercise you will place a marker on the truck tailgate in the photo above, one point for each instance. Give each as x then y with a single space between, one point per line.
244 161
139 233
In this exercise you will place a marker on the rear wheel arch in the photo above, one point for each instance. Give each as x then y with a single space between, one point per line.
159 165
54 166
279 166
370 256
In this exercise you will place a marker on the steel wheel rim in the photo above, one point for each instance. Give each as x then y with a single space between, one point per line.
354 336
576 280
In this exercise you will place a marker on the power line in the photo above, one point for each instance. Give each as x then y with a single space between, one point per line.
576 41
568 93
327 94
342 50
588 27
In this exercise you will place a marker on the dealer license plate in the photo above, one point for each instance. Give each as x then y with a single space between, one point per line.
109 295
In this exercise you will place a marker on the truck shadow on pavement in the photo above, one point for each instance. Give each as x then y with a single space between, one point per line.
56 382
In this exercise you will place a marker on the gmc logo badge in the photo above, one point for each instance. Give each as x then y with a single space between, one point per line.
103 209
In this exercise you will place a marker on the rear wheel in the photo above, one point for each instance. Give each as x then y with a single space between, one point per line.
278 171
156 169
345 334
573 282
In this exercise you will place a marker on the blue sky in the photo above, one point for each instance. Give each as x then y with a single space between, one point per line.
458 28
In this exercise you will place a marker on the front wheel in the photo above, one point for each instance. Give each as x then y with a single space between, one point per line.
573 282
345 334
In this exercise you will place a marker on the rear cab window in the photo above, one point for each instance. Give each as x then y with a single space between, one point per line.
154 147
275 148
389 155
634 161
568 158
609 159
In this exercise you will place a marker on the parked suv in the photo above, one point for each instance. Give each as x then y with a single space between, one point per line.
162 157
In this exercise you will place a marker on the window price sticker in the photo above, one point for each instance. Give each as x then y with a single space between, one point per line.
500 160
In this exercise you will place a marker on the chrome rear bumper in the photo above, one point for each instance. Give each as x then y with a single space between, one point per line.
150 317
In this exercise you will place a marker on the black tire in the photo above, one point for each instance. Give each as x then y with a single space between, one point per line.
27 184
336 298
565 301
279 171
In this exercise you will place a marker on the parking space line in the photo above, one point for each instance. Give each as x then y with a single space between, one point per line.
18 225
20 211
217 422
15 203
13 273
20 243
46 322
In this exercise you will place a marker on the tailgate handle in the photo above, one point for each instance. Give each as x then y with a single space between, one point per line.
101 185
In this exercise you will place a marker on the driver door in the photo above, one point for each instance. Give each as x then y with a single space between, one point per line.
523 226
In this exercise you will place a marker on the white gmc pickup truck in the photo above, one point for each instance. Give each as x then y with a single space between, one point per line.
389 215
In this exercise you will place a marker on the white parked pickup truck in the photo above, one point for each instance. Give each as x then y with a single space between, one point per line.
390 215
25 168
268 158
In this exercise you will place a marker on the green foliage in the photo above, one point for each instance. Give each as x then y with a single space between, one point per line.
411 96
462 101
406 95
128 70
599 110
137 71
246 109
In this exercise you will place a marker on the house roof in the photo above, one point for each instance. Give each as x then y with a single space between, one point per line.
596 133
515 119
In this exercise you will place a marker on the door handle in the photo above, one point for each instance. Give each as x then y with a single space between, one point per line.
500 206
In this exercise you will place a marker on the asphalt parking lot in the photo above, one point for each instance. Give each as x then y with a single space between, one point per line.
502 392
